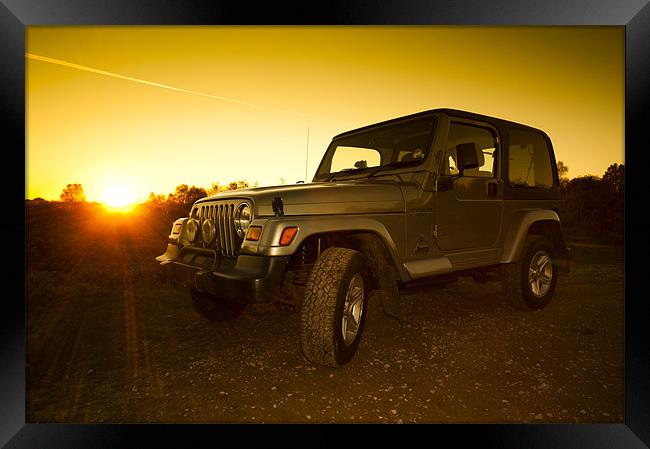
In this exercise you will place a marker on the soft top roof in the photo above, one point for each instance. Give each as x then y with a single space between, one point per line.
451 112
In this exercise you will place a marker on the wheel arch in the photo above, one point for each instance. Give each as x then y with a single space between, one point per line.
358 231
541 222
372 246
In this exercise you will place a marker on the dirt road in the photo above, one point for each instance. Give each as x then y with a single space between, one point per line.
110 341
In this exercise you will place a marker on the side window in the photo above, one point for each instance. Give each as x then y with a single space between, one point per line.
529 162
483 138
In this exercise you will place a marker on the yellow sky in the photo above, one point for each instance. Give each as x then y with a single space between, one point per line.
165 119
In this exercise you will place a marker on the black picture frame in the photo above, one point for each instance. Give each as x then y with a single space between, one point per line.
634 15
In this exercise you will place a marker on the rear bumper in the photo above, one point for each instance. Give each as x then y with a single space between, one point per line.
251 279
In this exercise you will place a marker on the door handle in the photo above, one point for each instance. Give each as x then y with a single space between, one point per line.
492 188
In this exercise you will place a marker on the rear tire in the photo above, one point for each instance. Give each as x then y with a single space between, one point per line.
333 311
215 309
529 284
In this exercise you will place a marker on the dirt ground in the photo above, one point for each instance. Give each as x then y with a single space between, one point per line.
109 340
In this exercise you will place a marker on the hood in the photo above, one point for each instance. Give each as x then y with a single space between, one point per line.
341 197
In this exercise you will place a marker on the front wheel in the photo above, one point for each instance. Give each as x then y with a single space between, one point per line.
530 283
333 311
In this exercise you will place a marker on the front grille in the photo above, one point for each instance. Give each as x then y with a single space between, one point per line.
227 242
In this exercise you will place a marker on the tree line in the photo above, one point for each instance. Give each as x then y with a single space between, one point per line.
184 196
591 207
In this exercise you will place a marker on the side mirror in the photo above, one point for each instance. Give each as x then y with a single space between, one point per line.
361 164
466 156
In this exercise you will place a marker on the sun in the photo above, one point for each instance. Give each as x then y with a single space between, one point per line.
118 197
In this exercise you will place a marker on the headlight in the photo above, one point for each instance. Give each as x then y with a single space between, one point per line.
208 231
191 229
242 219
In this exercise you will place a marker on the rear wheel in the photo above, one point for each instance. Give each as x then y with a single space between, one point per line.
213 308
530 283
333 310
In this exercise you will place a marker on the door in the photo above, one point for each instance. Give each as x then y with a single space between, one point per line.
468 210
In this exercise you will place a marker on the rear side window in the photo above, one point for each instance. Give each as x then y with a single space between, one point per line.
529 161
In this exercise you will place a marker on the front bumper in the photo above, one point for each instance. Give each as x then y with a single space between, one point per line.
248 279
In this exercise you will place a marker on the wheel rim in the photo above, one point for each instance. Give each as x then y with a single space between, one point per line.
352 309
540 273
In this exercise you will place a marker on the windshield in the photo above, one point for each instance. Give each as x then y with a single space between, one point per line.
400 143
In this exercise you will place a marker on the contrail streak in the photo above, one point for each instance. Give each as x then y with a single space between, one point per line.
151 83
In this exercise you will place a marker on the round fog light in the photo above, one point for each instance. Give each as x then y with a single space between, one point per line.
208 230
191 229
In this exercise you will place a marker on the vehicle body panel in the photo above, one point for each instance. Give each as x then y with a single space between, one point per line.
322 198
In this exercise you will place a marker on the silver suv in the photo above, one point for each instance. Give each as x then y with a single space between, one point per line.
419 199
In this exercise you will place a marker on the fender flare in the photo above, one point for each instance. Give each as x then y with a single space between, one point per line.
515 237
309 226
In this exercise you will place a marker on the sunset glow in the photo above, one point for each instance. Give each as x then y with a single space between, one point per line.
170 105
118 198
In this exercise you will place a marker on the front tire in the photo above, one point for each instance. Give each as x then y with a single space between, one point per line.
215 309
530 283
334 307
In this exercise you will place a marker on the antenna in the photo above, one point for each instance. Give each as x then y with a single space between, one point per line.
307 155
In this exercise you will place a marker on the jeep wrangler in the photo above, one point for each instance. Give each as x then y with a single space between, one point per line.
423 198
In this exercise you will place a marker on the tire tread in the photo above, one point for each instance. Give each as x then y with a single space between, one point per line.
317 324
511 281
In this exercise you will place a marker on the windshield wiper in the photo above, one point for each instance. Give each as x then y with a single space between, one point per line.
392 165
374 170
331 176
